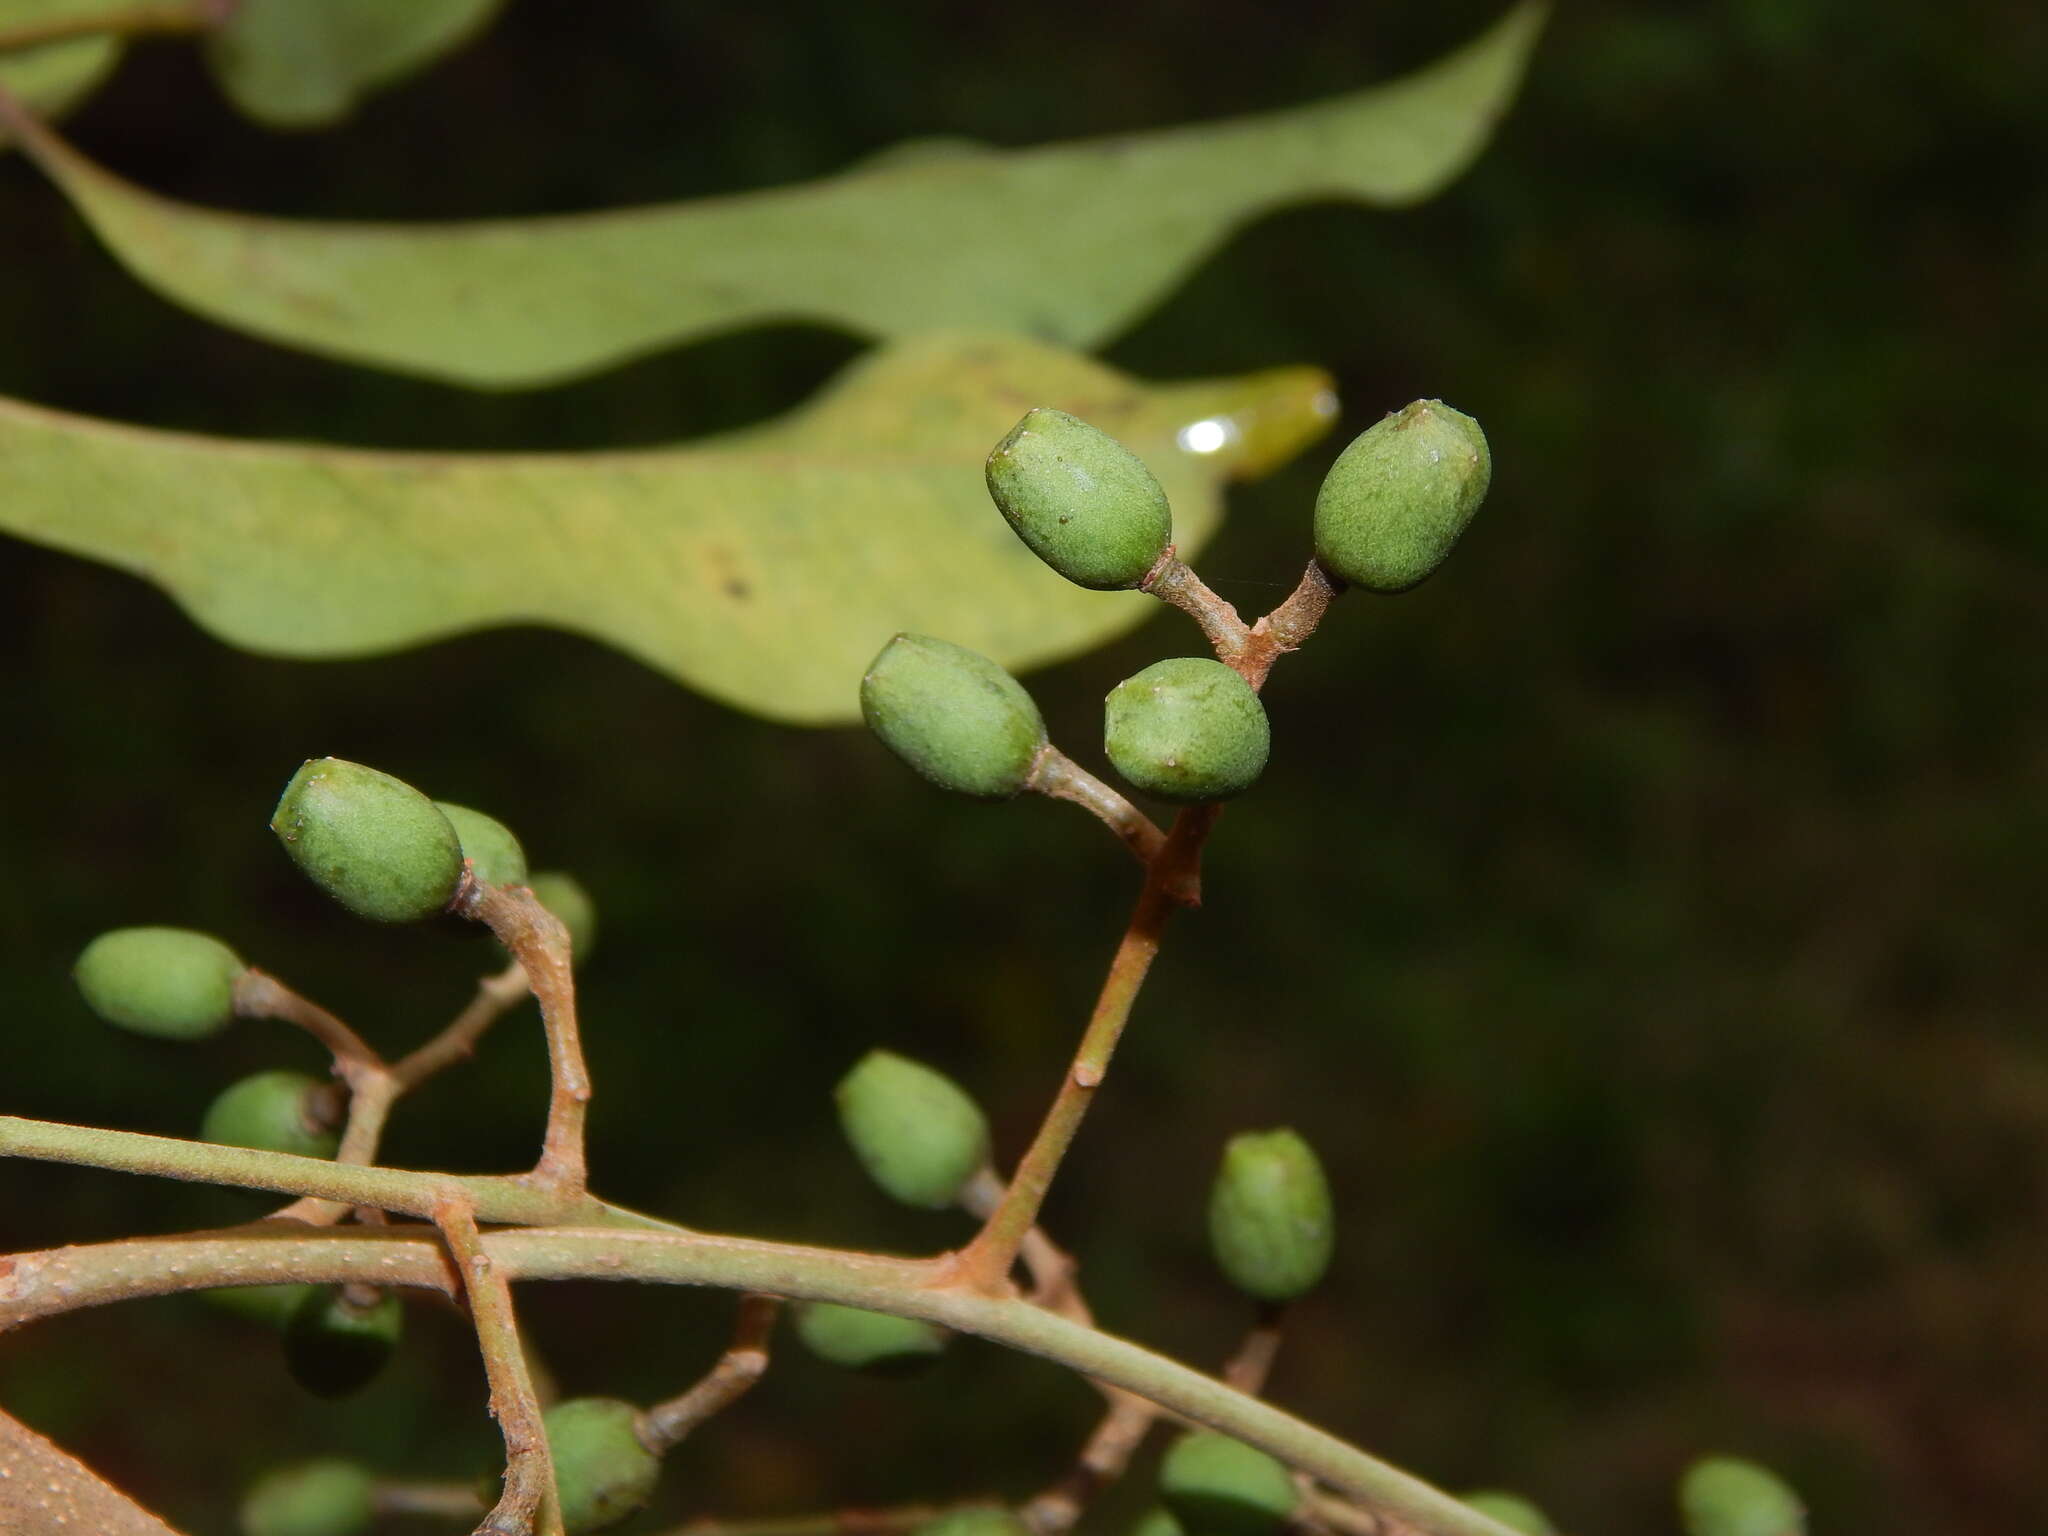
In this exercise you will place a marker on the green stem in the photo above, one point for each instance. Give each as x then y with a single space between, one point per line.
498 1199
60 1280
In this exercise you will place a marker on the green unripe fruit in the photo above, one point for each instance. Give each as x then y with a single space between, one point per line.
493 852
328 1497
978 1521
170 982
1271 1225
275 1112
918 1135
953 715
1512 1511
1217 1486
874 1342
272 1305
1157 1521
1396 500
374 843
1721 1496
335 1347
564 896
602 1471
1186 729
1084 503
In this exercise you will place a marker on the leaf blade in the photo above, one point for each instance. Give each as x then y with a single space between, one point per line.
764 568
1070 243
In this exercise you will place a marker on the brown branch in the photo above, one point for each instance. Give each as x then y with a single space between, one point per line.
1174 581
260 995
1248 1368
1103 1459
44 1488
744 1362
449 1500
528 1502
538 941
1059 777
371 1096
495 996
986 1261
1286 627
120 21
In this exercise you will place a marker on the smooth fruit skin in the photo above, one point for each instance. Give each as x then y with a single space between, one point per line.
169 982
269 1304
335 1348
1512 1511
915 1131
1721 1496
272 1112
493 852
563 895
953 715
372 842
602 1471
1271 1223
874 1342
328 1497
1187 729
1398 497
1217 1486
973 1522
1084 503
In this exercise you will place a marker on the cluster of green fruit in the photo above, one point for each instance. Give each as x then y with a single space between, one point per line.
386 852
1187 729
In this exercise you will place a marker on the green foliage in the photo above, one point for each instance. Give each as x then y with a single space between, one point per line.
1069 242
602 1471
916 1131
1512 1511
1271 1224
953 715
1187 728
336 1342
294 65
761 568
1396 500
278 1111
1217 1486
327 1497
170 982
1083 503
1723 1496
1158 1521
874 1342
372 842
493 852
53 77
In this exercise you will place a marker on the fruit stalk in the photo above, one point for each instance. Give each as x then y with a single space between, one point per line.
985 1262
536 938
744 1362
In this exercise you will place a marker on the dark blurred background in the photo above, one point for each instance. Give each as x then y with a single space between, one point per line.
1643 917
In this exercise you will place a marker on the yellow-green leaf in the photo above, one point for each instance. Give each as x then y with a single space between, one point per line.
304 63
764 568
52 77
1069 243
